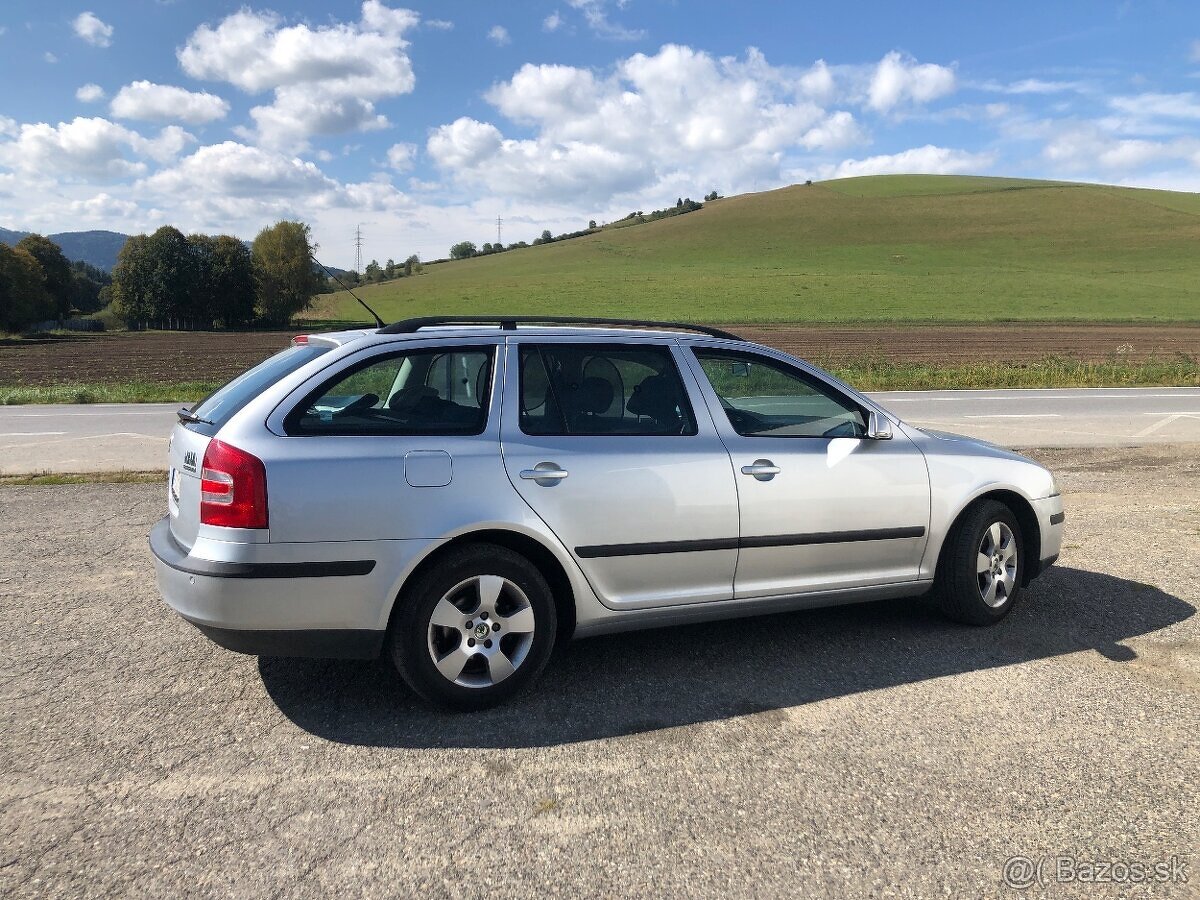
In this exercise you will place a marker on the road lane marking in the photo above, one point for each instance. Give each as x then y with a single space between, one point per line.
884 395
1164 422
70 414
1014 416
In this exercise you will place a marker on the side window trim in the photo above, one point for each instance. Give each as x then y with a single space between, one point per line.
288 420
820 385
542 347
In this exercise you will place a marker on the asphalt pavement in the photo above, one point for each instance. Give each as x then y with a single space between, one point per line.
133 437
860 751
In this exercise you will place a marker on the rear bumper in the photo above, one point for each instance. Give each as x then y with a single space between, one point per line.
323 643
283 600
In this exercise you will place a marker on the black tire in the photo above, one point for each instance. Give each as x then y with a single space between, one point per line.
958 589
414 638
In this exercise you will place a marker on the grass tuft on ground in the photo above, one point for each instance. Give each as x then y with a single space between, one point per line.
49 478
121 392
864 374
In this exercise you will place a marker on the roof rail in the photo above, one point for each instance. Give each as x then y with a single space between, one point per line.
510 323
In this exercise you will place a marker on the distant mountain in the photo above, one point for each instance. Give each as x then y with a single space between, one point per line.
98 248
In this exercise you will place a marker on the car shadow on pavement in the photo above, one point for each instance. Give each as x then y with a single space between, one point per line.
642 681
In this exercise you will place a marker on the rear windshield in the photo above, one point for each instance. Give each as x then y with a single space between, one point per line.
220 406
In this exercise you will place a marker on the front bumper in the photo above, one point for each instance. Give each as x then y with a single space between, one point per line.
283 600
1050 516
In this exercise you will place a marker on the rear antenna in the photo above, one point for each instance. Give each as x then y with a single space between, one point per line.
374 315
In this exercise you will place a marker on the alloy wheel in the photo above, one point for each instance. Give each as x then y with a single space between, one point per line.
480 631
996 564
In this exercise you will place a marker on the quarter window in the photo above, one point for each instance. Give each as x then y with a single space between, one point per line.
434 392
765 398
595 389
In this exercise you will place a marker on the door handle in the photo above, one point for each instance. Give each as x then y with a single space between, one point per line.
762 469
546 474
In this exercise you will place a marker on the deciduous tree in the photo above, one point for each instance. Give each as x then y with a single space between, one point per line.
283 271
23 295
60 283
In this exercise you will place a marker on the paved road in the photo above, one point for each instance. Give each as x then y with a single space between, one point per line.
133 437
859 751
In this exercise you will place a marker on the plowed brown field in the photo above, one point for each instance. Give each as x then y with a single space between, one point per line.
201 356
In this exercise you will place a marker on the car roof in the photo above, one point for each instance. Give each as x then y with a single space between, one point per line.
475 331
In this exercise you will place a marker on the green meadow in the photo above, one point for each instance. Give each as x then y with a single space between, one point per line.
901 248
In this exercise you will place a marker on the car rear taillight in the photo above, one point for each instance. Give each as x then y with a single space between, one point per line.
233 488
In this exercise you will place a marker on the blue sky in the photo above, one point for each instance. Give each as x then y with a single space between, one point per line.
425 123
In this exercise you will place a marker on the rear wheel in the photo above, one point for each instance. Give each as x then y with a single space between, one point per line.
979 574
475 629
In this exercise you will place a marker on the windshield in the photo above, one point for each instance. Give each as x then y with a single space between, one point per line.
220 406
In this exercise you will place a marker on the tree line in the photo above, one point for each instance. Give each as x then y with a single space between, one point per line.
166 278
468 249
373 272
38 284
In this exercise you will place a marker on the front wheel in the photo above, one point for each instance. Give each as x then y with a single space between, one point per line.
979 574
475 629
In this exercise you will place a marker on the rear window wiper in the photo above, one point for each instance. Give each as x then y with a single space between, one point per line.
191 418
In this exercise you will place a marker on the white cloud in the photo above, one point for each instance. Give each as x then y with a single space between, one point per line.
49 57
675 120
1170 106
499 35
552 22
235 170
817 83
162 102
1033 86
899 78
464 143
88 149
90 28
835 132
223 185
402 156
326 79
439 24
595 13
1195 54
927 160
89 93
102 207
1090 146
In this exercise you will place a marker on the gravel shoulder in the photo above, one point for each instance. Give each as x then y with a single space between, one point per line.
873 750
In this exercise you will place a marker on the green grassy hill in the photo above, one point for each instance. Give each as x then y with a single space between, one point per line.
885 248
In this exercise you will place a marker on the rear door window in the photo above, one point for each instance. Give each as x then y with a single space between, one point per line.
600 389
221 405
428 391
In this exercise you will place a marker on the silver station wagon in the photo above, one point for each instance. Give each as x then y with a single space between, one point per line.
462 495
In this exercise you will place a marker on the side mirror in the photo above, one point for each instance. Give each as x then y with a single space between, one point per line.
879 428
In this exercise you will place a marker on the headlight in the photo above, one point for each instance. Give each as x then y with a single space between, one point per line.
1054 491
